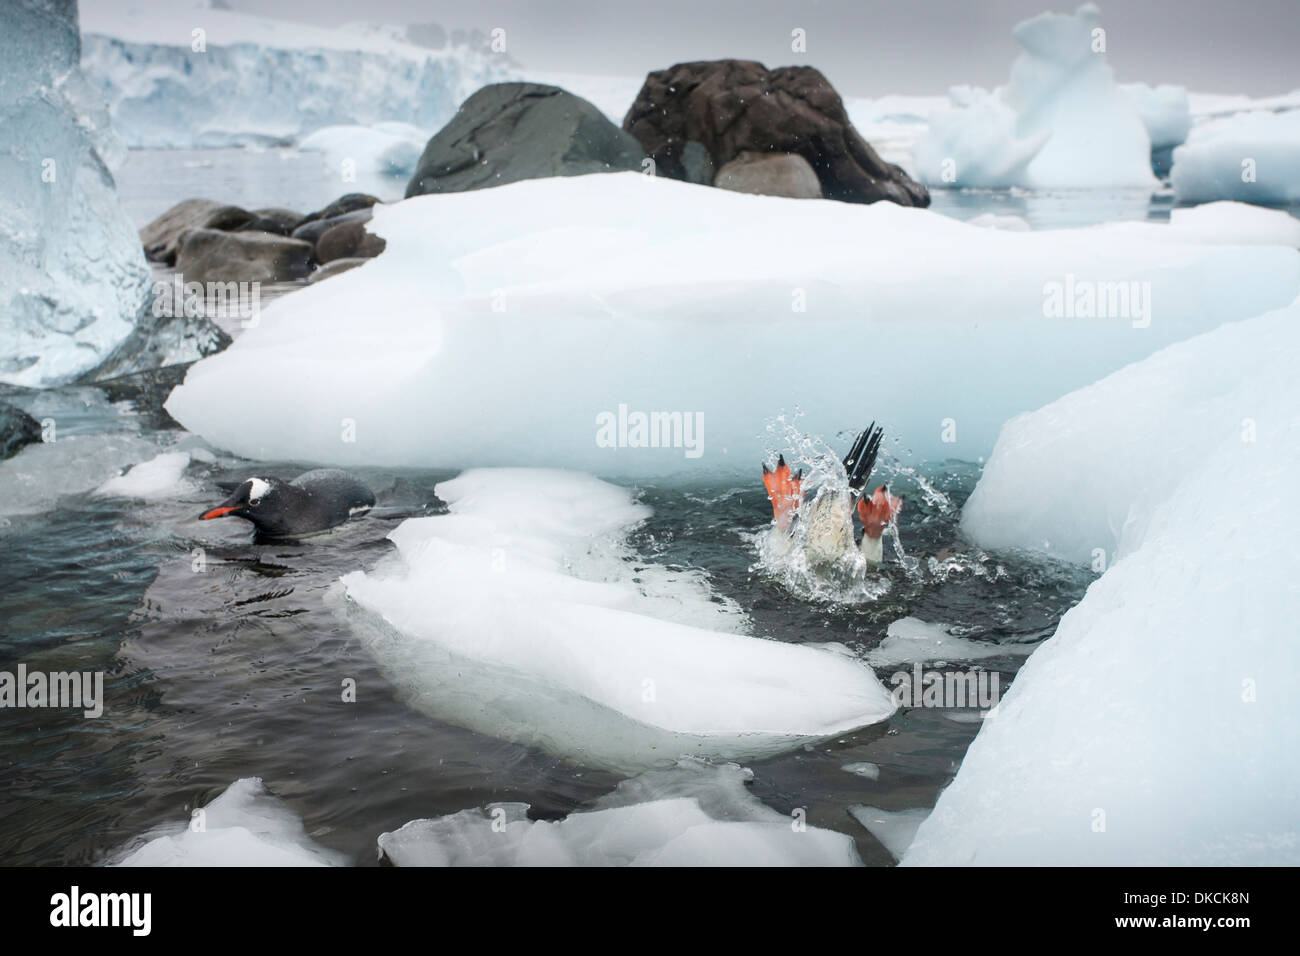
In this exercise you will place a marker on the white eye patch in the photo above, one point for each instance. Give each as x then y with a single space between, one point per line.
259 488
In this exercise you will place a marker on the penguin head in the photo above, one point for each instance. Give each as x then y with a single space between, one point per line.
260 500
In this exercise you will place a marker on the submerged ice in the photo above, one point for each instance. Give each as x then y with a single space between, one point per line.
524 615
694 814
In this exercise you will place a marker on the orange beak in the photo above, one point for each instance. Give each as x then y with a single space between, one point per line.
878 511
784 490
217 513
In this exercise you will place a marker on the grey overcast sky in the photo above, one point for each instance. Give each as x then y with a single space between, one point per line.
866 47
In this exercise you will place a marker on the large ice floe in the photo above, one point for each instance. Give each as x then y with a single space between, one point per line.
244 826
386 149
1251 156
1060 121
560 314
525 615
73 280
186 75
694 814
1158 725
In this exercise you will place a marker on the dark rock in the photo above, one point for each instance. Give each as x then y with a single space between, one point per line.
148 391
335 268
344 204
281 222
736 106
348 240
162 238
770 174
507 132
209 255
17 430
313 230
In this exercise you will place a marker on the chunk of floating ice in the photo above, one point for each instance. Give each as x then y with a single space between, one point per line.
510 311
1158 725
1252 157
692 815
863 769
156 478
910 640
521 615
1060 121
245 826
34 479
1165 112
895 829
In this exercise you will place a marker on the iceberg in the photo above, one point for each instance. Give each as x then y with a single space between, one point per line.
1061 120
523 614
244 826
566 312
73 280
1158 725
1165 112
385 149
192 76
1252 157
695 814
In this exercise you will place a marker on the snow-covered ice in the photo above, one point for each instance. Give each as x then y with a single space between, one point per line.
158 478
386 149
1061 120
73 279
523 614
244 826
910 640
557 303
1252 157
34 479
260 80
694 814
1158 725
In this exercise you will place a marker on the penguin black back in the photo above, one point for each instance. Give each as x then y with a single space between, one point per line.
314 501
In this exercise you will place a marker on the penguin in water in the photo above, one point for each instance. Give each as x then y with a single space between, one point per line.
830 516
314 501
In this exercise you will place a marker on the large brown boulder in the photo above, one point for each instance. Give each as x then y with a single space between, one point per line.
729 107
162 238
209 255
770 174
507 132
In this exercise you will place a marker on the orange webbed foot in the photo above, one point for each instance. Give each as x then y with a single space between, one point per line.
784 490
878 511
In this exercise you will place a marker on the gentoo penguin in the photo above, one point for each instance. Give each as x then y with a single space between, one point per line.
829 519
312 502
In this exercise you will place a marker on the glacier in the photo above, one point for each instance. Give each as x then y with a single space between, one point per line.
73 280
694 814
258 81
1158 725
523 614
1061 120
1251 156
557 303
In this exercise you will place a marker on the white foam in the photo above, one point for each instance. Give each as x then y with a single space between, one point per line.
522 614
